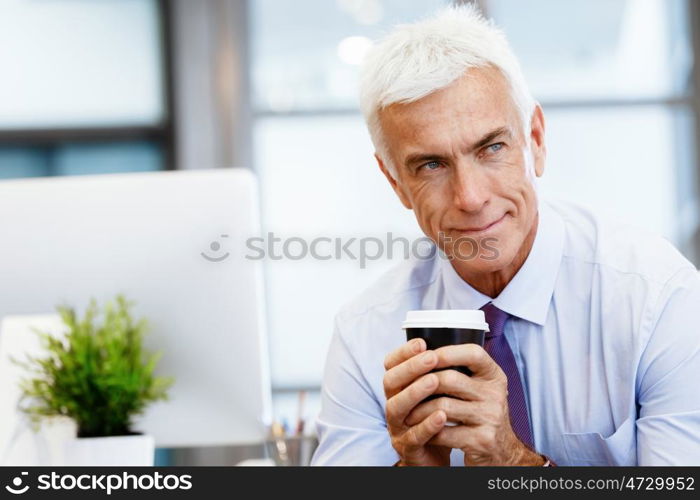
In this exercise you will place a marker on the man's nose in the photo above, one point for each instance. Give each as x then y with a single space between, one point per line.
470 188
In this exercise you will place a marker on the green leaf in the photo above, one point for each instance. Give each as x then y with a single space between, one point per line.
99 375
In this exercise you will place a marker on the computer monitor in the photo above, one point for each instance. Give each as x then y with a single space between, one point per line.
174 243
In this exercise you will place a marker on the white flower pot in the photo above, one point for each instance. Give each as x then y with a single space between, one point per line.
136 450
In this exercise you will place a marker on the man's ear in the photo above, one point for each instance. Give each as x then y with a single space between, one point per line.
394 184
538 147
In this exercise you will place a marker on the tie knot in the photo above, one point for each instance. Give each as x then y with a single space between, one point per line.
496 320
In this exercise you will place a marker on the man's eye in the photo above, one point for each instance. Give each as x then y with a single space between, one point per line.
433 165
495 148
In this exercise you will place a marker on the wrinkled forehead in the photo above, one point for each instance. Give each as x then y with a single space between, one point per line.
479 101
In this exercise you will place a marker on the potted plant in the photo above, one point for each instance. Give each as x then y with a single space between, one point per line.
100 376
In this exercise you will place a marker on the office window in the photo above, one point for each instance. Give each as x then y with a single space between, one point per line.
305 54
595 159
613 78
598 49
80 159
330 187
76 63
83 89
23 162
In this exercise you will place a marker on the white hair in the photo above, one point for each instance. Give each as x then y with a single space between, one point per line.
417 59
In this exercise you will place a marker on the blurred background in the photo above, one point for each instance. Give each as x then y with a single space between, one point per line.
109 86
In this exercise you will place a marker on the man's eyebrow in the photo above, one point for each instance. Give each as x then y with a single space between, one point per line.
490 136
418 158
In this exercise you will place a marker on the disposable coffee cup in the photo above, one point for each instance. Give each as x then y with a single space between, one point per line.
440 328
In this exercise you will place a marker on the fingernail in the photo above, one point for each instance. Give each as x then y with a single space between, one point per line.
429 381
416 346
439 419
429 358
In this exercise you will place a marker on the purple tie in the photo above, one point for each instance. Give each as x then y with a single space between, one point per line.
497 347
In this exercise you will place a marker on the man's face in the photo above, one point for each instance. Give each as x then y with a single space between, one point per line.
466 169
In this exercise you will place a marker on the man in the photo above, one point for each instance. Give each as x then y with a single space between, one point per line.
597 323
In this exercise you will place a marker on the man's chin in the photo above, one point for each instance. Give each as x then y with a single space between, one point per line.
478 265
483 256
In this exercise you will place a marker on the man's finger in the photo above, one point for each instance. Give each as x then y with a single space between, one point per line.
406 351
418 435
454 437
472 356
399 406
404 373
461 386
464 412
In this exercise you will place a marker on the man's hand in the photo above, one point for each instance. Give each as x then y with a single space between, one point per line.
406 383
480 405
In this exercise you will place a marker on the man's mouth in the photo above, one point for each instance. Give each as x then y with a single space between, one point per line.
482 229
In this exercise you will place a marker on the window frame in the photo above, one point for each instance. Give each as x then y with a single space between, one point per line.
162 133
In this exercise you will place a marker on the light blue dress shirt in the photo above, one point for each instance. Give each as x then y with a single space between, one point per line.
605 332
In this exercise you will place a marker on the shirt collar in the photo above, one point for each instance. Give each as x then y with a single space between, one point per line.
529 293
